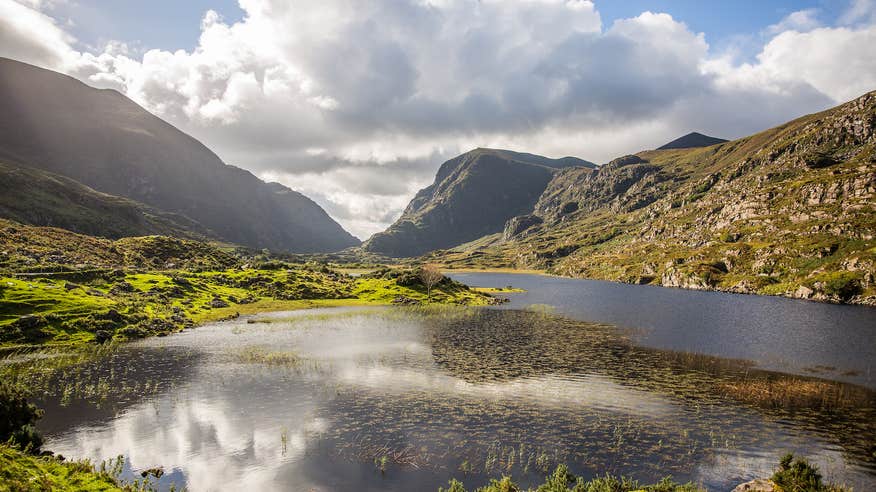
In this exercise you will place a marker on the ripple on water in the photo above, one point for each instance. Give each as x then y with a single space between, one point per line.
325 398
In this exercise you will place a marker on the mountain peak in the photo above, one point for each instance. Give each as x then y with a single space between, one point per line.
527 158
691 140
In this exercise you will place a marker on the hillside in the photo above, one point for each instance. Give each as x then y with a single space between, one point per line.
36 197
473 195
105 141
788 211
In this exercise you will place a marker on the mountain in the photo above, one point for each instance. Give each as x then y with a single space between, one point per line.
473 195
36 197
692 140
788 211
105 141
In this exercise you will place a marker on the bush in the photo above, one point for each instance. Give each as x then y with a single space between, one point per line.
798 476
18 417
840 284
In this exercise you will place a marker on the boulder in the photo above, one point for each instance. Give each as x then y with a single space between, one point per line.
102 336
122 287
405 301
757 485
218 303
29 322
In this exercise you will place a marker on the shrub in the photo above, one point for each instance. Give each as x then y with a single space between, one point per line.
842 284
17 418
798 476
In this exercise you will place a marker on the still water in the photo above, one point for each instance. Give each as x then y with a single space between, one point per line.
789 335
404 399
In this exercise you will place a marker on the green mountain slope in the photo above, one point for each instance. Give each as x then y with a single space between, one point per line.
474 194
102 139
36 197
788 211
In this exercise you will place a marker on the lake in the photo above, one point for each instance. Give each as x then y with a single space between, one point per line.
604 377
789 335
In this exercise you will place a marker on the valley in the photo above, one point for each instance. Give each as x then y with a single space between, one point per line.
169 321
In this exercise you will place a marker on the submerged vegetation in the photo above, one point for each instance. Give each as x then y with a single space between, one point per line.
564 391
561 480
792 476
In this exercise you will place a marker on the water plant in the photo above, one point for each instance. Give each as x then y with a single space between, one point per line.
798 475
562 480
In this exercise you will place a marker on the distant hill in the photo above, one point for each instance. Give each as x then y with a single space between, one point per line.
105 141
26 247
692 140
473 195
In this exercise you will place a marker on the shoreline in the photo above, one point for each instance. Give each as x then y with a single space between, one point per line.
866 301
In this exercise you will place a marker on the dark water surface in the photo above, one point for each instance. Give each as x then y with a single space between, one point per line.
395 399
791 335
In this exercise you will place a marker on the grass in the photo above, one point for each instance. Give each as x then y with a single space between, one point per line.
125 305
800 476
791 476
792 392
561 480
498 290
261 355
20 472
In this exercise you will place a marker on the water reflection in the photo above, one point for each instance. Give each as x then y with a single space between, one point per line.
789 335
322 398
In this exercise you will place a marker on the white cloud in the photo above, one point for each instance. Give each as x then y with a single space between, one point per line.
801 21
357 104
859 11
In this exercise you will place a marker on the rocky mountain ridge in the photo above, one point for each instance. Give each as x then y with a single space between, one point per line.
473 195
788 211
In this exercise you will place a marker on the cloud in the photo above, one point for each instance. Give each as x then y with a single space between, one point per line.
357 104
29 35
801 21
859 11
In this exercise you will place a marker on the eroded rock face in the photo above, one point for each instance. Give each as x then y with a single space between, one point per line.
518 225
623 184
675 277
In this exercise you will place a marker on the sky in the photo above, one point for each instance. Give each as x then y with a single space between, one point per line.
356 104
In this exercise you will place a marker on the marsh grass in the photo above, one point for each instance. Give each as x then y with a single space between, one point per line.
261 355
775 391
562 480
475 435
